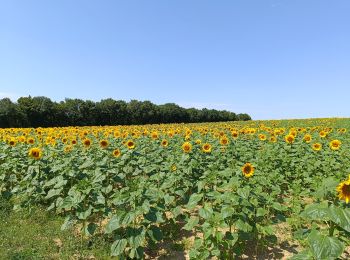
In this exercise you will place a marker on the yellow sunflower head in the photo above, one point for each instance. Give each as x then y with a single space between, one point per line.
289 138
262 137
12 142
187 147
87 142
273 139
154 135
307 138
130 144
68 148
116 153
224 140
206 148
343 190
248 170
35 153
164 143
30 140
235 134
323 134
316 146
335 144
104 144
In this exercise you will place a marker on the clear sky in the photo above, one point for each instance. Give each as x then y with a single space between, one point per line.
269 58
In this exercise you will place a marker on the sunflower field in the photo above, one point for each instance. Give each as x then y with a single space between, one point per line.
230 190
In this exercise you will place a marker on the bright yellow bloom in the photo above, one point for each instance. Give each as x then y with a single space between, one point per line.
116 153
335 144
206 148
323 134
248 170
262 137
307 138
343 190
35 153
130 144
165 143
87 142
187 147
317 146
224 140
104 143
289 138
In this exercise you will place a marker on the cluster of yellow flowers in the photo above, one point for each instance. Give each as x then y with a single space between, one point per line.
208 137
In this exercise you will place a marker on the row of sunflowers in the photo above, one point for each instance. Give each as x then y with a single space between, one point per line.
230 185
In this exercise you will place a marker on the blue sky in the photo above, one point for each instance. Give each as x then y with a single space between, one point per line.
269 58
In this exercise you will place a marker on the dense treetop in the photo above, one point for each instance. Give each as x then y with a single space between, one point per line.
43 112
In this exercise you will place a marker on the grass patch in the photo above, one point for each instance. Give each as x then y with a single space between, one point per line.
37 235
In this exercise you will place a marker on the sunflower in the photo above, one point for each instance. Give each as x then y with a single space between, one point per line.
116 153
130 144
224 140
87 142
289 138
35 153
68 148
335 144
273 139
154 135
248 170
206 148
307 138
173 167
165 143
343 190
235 134
323 134
317 146
262 137
74 142
30 140
198 141
12 142
104 144
187 147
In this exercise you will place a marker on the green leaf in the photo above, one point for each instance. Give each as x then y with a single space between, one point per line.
118 247
260 212
244 192
340 216
193 201
129 217
303 255
193 221
168 199
90 229
243 226
227 212
113 224
324 247
87 164
155 233
68 223
206 212
278 206
53 193
315 212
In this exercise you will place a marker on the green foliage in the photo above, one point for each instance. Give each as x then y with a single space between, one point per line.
42 112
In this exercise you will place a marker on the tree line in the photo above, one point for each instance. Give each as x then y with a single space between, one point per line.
43 112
